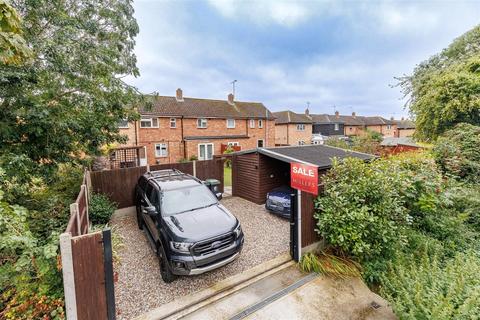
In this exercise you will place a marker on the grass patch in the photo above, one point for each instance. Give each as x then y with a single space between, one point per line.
227 177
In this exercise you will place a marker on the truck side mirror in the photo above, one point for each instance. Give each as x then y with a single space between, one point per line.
151 211
219 195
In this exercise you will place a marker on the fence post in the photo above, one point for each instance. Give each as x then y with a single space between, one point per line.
194 164
84 188
74 211
108 265
68 276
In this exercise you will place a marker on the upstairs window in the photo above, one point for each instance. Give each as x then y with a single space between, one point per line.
148 123
230 123
337 127
173 123
233 144
260 143
300 127
123 124
252 123
161 150
389 126
260 123
202 123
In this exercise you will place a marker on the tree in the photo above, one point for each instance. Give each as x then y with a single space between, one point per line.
13 48
457 152
67 102
445 89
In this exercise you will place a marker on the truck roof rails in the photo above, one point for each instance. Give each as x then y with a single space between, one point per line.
165 173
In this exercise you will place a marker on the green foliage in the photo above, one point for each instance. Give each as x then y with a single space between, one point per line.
444 90
457 152
13 48
425 287
338 143
193 158
66 104
368 142
363 218
101 208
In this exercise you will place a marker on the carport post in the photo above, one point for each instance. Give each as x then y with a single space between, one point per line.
299 225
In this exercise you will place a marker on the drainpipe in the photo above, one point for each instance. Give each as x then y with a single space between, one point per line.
136 133
183 140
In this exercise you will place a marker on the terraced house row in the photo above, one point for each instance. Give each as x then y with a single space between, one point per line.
304 128
178 127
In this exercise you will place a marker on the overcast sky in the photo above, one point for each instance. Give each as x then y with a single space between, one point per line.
333 54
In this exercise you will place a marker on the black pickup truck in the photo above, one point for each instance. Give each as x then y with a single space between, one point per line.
189 230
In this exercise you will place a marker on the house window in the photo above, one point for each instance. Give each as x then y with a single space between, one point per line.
260 123
230 123
300 127
301 142
260 143
161 150
123 124
337 127
389 126
173 123
233 144
202 123
149 123
252 123
205 151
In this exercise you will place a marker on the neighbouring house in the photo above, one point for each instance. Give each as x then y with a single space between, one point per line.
405 128
356 125
176 128
395 145
292 128
327 125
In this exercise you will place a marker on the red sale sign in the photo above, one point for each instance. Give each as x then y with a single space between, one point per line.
304 177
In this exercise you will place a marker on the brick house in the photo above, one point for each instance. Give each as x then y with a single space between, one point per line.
356 125
292 128
405 128
177 128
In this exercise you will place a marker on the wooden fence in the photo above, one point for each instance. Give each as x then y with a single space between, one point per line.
119 184
86 264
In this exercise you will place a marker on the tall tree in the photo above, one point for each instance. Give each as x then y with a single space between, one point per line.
13 48
445 89
68 100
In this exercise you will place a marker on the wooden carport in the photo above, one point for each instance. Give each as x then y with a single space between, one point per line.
256 172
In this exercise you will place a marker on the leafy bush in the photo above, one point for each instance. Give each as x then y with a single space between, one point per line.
330 265
364 218
427 288
100 208
193 158
457 152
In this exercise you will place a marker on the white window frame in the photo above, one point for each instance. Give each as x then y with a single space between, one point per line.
389 127
174 122
252 124
233 143
263 143
124 127
260 123
201 122
229 126
148 119
206 153
163 146
336 127
300 127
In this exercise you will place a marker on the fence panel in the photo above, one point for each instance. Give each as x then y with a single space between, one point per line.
185 167
309 235
211 169
118 185
89 271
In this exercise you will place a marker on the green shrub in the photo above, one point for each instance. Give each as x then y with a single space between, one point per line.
100 208
457 152
427 288
193 158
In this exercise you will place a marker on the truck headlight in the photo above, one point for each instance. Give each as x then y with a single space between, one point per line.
180 246
238 231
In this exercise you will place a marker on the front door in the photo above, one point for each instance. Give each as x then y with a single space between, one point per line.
205 151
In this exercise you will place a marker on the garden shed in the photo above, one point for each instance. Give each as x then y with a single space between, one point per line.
256 172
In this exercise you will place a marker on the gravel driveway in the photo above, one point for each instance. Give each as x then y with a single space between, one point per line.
140 286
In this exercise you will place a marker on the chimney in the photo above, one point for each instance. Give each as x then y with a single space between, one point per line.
179 95
392 118
354 114
337 114
307 112
403 118
230 99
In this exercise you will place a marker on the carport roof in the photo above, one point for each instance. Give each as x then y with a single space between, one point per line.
318 155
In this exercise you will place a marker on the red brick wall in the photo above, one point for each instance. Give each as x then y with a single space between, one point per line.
288 134
215 127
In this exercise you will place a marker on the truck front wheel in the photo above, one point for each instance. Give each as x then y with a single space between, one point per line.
165 270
